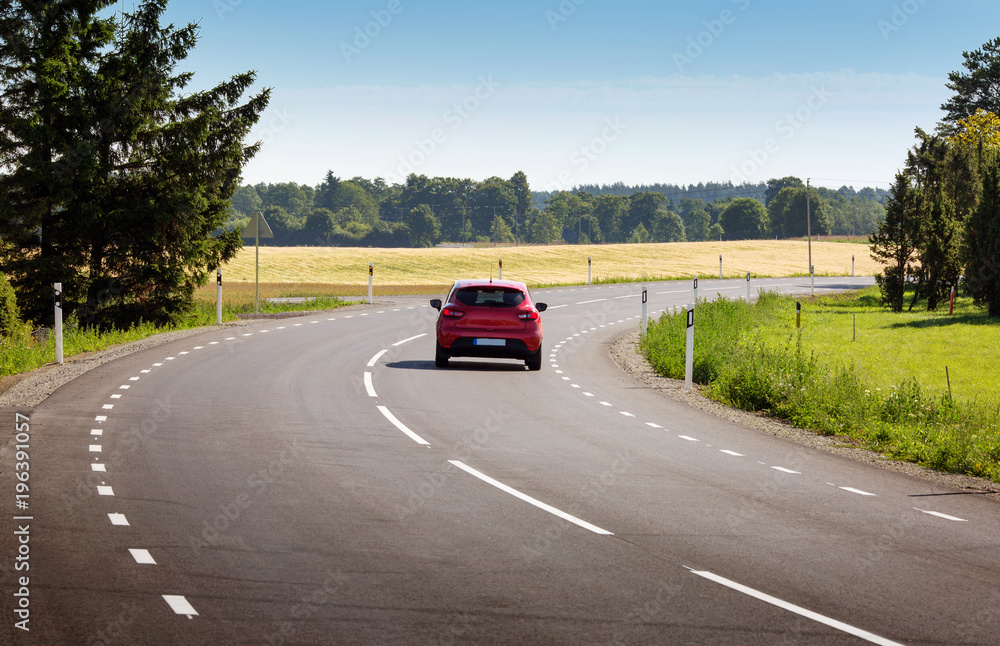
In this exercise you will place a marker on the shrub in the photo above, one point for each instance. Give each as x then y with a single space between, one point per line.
10 316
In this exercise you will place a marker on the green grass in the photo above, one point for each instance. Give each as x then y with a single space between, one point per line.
887 390
24 352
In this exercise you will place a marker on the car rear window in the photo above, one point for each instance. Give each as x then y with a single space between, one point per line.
490 296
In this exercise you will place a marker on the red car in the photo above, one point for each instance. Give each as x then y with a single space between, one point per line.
489 318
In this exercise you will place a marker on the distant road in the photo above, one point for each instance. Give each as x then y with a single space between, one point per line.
317 480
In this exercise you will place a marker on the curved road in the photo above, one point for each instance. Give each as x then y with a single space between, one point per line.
317 481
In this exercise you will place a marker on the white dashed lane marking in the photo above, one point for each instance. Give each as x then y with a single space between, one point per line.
528 499
118 519
142 557
369 387
857 491
940 515
179 605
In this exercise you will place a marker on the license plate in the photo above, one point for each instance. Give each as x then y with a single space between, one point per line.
495 342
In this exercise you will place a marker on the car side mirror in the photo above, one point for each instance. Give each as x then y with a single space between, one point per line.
541 307
436 304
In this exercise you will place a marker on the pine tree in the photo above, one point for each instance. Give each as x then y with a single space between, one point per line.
982 245
140 176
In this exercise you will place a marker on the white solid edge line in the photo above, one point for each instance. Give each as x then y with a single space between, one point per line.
377 357
179 604
398 424
940 515
412 338
809 614
369 386
528 499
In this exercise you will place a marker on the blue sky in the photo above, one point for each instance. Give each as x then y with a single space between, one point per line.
589 91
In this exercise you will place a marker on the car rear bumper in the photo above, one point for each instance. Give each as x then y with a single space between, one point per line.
512 349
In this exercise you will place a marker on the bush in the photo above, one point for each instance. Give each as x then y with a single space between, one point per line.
10 316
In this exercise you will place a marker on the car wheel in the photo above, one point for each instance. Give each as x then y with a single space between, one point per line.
534 362
440 357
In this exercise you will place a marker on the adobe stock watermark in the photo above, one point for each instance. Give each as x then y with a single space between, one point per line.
785 129
277 121
714 28
222 7
900 15
590 152
455 117
562 13
257 484
366 34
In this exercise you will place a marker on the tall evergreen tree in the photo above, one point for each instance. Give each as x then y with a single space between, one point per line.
939 245
982 245
48 54
894 243
140 176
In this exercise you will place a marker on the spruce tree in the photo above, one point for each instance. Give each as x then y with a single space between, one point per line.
982 245
939 254
894 243
140 175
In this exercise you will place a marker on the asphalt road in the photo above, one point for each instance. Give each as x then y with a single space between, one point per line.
318 481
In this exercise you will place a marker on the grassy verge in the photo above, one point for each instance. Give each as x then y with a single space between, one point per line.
887 390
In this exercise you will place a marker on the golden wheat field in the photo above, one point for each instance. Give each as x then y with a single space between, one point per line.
544 265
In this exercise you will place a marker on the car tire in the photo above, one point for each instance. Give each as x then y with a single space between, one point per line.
534 362
440 357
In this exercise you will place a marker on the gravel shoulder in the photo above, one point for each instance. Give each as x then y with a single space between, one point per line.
625 353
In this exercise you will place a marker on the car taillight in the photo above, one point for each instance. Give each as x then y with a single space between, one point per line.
452 313
528 316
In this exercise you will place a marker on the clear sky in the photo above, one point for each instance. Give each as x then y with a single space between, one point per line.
589 91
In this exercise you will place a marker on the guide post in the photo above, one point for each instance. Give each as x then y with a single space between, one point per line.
58 322
689 361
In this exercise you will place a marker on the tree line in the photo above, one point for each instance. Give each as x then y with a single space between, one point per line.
426 211
942 224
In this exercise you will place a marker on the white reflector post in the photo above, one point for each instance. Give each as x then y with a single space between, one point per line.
689 361
58 322
695 289
371 276
645 319
218 296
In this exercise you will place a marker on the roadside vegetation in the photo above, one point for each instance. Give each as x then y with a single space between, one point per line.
885 389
